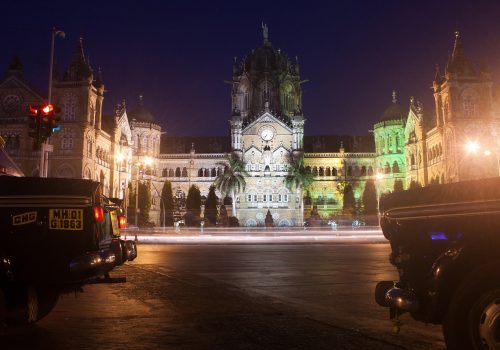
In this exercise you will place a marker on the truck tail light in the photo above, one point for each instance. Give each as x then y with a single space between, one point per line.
122 221
98 214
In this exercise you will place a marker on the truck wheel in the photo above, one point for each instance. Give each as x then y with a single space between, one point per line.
21 305
26 304
47 300
484 320
472 320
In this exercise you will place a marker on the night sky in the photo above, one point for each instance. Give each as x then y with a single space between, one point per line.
178 53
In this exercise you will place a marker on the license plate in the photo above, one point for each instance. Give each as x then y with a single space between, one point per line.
66 219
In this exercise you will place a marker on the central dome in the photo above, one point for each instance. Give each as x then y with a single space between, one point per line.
266 58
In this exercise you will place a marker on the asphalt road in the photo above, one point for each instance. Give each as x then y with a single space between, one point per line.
295 296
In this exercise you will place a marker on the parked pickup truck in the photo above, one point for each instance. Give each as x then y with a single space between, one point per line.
56 235
445 243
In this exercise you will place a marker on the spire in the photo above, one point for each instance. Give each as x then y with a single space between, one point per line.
394 99
79 69
265 33
458 63
141 99
15 67
99 83
457 46
437 77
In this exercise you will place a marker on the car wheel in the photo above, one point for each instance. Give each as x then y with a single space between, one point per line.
484 321
472 320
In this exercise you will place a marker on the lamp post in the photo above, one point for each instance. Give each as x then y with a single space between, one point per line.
44 147
119 158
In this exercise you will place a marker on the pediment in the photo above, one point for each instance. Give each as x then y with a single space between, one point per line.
253 151
277 151
14 83
266 117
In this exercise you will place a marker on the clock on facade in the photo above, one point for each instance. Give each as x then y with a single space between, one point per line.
267 134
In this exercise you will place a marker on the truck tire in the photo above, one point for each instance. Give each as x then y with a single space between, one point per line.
47 300
476 301
27 304
22 305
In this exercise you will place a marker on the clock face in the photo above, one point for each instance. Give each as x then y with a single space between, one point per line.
267 134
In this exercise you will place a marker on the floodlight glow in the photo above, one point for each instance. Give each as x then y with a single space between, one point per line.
148 161
472 146
379 176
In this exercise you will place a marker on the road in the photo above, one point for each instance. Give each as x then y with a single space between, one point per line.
293 296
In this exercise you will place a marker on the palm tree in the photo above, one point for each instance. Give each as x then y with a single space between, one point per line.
232 179
298 178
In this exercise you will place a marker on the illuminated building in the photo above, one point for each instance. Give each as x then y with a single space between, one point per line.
268 127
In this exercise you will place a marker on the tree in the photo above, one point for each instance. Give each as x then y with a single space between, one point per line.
298 178
144 204
370 197
398 185
414 184
193 205
223 219
211 206
168 201
232 180
349 201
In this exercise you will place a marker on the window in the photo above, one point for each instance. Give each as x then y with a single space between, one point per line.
469 106
89 148
69 107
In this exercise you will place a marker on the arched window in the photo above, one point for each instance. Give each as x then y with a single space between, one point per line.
213 172
207 173
184 172
321 171
200 172
395 167
370 171
387 168
178 172
328 171
357 172
363 170
315 171
170 172
334 171
164 172
308 169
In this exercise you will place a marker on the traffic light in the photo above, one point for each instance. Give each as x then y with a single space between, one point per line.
44 122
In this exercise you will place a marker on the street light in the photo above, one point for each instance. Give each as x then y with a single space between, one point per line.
473 147
44 149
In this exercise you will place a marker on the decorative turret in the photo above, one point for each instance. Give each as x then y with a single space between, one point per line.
79 69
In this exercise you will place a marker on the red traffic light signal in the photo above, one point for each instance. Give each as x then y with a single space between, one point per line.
47 109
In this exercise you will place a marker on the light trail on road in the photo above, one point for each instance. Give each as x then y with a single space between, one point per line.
256 237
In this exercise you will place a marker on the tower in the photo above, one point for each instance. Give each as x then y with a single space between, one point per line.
463 99
80 98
